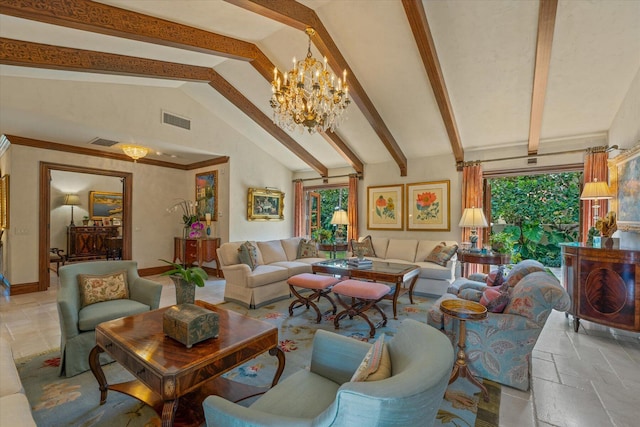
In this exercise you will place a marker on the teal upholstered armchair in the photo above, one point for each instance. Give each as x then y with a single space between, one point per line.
421 362
499 347
78 323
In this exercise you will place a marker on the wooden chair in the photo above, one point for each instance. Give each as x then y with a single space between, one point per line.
59 257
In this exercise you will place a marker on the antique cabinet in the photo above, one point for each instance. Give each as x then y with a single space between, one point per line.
203 250
89 242
603 285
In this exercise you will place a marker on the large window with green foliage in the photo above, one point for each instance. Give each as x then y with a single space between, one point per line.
330 199
537 212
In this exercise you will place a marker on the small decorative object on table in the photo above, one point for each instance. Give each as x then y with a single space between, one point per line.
360 262
190 324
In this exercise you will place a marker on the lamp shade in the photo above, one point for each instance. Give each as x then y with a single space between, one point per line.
71 200
340 217
473 217
596 190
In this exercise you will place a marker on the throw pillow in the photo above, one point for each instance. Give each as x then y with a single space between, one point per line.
441 254
95 289
494 300
307 249
496 277
366 245
248 255
376 364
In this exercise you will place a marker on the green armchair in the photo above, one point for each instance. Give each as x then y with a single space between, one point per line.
78 323
323 395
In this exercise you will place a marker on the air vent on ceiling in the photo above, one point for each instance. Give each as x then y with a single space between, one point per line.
173 120
103 142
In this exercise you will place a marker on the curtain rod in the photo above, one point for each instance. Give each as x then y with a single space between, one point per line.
606 148
324 178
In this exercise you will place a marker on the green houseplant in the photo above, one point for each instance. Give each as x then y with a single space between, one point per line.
501 243
186 279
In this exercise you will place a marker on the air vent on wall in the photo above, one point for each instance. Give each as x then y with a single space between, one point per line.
103 142
173 120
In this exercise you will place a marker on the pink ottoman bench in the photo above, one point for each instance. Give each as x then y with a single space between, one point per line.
364 295
321 287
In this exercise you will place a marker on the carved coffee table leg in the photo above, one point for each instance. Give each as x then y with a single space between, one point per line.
277 351
169 412
94 364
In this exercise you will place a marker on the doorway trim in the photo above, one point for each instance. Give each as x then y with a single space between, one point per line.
44 225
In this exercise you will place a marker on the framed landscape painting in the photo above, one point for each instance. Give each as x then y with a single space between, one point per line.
265 204
207 194
104 205
624 174
428 206
384 207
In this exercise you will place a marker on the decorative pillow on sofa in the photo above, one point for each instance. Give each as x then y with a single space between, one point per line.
248 255
494 300
307 249
376 364
365 245
496 277
94 289
441 254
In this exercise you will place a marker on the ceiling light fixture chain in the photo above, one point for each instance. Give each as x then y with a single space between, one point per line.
309 96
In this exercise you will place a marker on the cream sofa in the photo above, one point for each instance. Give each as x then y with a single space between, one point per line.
433 279
277 261
14 406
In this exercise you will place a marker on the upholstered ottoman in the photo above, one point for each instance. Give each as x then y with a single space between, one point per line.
321 287
364 295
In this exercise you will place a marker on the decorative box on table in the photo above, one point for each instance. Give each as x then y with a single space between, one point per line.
190 324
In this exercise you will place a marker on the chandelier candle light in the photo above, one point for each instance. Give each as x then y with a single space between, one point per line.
309 96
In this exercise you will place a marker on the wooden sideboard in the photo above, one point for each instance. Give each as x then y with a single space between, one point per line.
603 285
189 251
89 242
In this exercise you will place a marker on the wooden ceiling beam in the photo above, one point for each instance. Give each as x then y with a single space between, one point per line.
546 26
422 34
299 16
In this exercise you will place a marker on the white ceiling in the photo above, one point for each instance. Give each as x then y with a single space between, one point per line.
486 51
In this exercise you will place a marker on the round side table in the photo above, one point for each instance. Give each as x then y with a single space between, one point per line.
464 310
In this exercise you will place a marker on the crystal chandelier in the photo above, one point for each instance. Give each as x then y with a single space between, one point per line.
135 151
309 96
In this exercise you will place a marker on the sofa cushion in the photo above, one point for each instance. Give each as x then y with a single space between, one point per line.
290 247
380 246
404 249
294 267
267 274
429 270
90 316
10 382
248 254
307 249
99 288
16 411
365 244
272 251
441 254
376 364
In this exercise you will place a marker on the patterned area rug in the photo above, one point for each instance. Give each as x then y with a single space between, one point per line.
58 401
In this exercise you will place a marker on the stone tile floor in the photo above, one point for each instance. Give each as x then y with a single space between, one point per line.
585 379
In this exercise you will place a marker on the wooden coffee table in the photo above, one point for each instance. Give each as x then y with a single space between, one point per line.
175 380
394 274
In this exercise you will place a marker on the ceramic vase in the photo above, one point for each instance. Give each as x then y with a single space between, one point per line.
185 291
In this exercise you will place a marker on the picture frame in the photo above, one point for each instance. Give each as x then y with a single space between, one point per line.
103 204
207 194
4 202
384 207
429 206
624 177
264 204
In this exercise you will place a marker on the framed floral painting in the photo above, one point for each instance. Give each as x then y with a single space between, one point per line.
384 207
428 206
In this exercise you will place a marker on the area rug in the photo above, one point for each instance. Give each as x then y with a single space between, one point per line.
58 401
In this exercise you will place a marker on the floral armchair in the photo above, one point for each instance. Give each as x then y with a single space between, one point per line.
499 347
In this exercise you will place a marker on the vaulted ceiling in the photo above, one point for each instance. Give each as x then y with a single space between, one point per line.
427 77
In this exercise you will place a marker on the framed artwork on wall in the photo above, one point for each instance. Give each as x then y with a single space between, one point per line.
207 194
264 204
624 174
4 202
104 204
384 207
428 206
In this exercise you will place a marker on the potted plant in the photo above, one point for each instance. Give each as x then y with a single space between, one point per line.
85 220
501 243
186 279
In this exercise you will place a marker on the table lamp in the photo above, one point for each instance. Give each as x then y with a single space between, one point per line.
71 200
595 191
474 218
340 219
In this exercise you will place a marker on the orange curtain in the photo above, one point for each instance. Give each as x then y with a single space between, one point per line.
471 197
352 208
299 226
595 167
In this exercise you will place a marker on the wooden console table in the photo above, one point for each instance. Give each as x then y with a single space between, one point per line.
89 242
603 285
189 251
466 257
